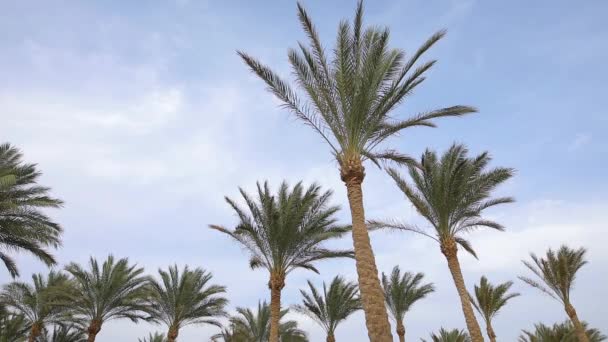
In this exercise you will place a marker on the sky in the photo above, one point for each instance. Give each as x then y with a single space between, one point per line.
142 118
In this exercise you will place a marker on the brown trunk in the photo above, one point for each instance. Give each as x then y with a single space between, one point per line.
490 331
372 296
276 284
34 332
93 330
578 326
330 337
450 250
400 331
172 334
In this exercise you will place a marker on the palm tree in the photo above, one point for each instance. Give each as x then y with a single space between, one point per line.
113 291
348 102
451 193
453 335
185 299
38 303
559 332
156 337
23 225
13 327
558 272
401 292
489 299
249 326
332 307
64 333
284 232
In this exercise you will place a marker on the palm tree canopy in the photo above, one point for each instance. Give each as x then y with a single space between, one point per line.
13 327
23 225
114 290
348 97
252 326
489 299
156 337
403 290
559 332
557 271
64 333
451 193
453 335
333 305
184 299
286 231
37 302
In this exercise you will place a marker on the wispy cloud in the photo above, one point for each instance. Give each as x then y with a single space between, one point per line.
581 140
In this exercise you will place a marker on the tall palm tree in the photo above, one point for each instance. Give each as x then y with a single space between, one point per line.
38 303
348 101
401 292
489 299
331 307
23 224
559 332
451 193
250 326
184 299
284 232
156 337
64 333
113 291
453 335
558 271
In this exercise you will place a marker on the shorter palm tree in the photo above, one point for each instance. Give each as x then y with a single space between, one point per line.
250 326
64 333
38 303
331 307
558 271
562 332
453 335
489 299
156 337
401 292
184 299
23 224
113 291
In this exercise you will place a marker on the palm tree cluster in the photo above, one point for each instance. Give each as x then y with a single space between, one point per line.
349 98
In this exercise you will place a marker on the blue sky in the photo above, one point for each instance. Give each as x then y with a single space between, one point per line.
142 118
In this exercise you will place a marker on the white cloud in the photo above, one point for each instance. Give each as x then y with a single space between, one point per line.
579 141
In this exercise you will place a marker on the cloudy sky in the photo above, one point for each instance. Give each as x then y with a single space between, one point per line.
143 118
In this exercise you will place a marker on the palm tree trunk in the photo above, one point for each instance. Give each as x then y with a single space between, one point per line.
34 332
372 296
330 337
93 330
172 334
276 284
578 326
490 331
401 331
450 250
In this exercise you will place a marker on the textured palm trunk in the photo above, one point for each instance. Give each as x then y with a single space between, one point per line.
93 330
578 326
450 250
276 284
400 331
490 331
34 332
330 337
172 334
372 296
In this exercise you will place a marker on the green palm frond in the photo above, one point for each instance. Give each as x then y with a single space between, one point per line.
489 299
559 332
64 333
556 272
348 96
184 299
402 290
332 306
453 335
451 192
156 337
112 290
286 230
13 327
23 224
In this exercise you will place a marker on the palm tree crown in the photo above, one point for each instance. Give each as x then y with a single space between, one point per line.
560 332
185 299
332 306
156 337
489 299
64 333
23 226
453 335
401 292
113 291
